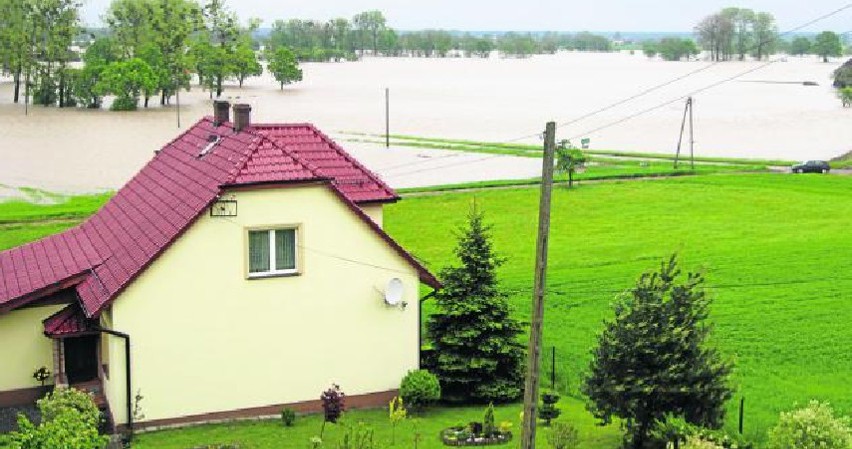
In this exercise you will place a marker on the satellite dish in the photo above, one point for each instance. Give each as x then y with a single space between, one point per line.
393 292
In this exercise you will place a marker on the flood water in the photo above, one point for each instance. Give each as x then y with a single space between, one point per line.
494 99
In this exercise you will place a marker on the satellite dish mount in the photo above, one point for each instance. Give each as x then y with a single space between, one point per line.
393 293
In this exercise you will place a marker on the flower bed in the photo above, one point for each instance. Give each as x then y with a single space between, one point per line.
464 436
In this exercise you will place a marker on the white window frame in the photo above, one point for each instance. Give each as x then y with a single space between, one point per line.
272 260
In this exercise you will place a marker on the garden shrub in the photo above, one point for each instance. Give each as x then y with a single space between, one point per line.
672 429
69 420
488 426
357 437
696 442
288 417
812 427
548 410
124 103
333 403
419 388
563 436
396 414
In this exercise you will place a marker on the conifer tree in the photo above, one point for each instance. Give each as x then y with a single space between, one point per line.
653 358
478 356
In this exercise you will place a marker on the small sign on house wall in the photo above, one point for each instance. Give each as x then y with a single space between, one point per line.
224 207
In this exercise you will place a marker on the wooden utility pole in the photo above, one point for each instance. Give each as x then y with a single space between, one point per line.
387 117
534 349
691 136
686 110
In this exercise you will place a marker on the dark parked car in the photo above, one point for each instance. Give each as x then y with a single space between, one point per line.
812 167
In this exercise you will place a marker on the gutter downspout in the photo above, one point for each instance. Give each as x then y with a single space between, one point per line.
129 388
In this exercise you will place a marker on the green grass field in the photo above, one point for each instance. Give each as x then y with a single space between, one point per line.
776 250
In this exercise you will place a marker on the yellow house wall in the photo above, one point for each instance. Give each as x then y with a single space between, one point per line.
24 348
374 211
206 339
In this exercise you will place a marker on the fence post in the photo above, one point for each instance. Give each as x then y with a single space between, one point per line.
742 407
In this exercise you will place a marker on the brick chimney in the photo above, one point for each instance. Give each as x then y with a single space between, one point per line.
242 116
221 112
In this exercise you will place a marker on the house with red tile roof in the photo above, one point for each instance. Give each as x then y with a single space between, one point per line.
243 269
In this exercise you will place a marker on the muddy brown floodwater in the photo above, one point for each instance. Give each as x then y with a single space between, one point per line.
771 116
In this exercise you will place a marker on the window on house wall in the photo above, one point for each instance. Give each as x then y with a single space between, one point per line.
272 252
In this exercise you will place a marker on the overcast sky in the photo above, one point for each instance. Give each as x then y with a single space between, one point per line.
532 15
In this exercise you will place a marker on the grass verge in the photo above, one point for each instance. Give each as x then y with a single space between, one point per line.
526 150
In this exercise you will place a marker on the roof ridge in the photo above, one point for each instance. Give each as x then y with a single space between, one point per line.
353 161
284 152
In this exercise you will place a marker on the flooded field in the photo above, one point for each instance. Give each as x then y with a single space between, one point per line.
766 114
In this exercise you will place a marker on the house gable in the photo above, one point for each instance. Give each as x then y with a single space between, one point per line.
195 308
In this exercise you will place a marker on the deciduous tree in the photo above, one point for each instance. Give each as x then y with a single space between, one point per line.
800 46
245 62
284 67
568 159
100 54
765 35
827 44
370 24
127 80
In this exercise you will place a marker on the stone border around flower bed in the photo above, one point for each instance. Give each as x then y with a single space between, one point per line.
502 438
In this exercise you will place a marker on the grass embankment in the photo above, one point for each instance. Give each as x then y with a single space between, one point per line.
527 150
776 250
844 161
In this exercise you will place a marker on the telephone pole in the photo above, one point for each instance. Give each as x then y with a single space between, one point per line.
686 110
691 136
534 349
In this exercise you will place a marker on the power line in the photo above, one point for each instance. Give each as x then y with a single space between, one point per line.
641 94
661 105
694 72
689 74
445 166
393 167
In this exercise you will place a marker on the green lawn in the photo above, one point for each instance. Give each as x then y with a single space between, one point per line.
776 249
271 434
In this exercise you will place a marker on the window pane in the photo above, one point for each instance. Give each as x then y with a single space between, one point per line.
285 249
258 251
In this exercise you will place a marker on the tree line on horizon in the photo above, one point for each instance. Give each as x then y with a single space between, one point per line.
150 48
368 33
155 48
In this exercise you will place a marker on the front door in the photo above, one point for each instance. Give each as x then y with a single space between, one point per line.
81 359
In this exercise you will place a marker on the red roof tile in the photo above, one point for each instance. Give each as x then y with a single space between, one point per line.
104 254
327 159
68 321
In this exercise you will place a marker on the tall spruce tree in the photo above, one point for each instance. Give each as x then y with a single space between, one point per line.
653 358
478 356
